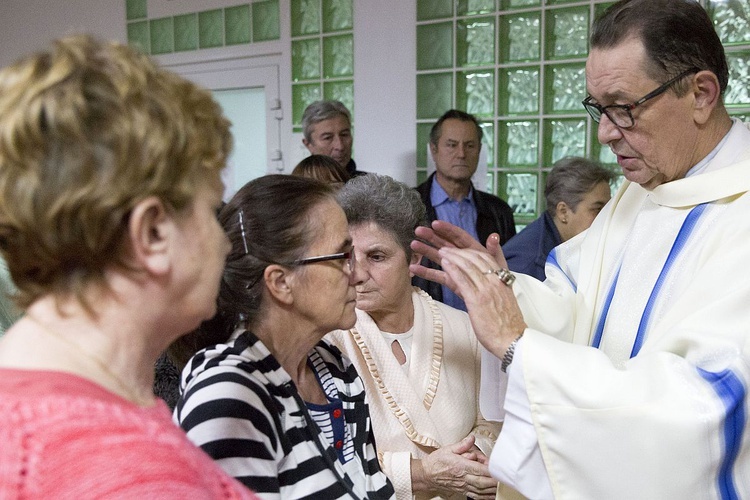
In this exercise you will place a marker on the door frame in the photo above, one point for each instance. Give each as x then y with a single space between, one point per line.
239 73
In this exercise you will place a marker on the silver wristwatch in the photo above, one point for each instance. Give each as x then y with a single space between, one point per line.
508 356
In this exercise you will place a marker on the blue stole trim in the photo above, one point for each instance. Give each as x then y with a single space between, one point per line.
679 244
552 259
732 393
605 310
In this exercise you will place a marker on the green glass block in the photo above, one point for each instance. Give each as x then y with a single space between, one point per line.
186 32
475 92
474 7
565 88
488 144
338 56
738 89
567 33
518 93
210 28
422 176
266 23
731 20
434 94
475 42
423 139
135 9
138 36
564 138
302 96
486 186
518 143
491 187
743 116
162 35
520 37
435 46
306 59
560 2
337 15
237 24
502 185
521 193
305 17
515 4
434 9
340 91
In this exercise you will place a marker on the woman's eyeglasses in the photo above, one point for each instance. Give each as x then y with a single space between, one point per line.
348 256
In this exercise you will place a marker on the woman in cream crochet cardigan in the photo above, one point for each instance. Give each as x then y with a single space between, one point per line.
419 358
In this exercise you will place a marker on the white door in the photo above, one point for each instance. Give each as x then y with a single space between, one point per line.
248 92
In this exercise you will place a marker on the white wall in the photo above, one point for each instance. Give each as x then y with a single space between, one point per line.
385 54
28 25
384 62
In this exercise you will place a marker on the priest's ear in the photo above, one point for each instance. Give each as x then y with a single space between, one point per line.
706 92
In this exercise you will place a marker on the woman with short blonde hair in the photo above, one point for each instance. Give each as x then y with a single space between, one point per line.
109 182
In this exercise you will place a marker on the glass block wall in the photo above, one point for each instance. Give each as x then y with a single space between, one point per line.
249 22
322 54
518 65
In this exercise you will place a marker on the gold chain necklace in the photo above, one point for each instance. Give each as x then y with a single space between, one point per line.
124 389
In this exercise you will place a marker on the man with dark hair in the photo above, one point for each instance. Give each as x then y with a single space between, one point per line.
628 369
327 130
448 194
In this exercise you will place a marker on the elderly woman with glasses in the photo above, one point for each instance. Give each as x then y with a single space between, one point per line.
419 358
275 406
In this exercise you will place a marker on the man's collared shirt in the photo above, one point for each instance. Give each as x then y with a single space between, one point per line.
462 213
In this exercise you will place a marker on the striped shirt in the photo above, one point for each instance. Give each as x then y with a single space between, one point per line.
242 408
330 417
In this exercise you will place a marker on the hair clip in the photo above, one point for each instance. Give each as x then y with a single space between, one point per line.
242 228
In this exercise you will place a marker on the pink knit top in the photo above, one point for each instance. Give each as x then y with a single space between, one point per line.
63 436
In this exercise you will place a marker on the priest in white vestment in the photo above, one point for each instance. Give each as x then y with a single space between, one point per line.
628 369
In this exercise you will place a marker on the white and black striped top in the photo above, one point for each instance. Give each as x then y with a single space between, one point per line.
241 407
330 417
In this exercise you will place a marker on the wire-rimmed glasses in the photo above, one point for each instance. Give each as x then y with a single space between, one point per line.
621 114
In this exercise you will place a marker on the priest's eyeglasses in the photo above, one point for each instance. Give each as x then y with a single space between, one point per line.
621 114
347 256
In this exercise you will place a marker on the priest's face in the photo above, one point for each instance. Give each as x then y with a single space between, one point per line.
660 146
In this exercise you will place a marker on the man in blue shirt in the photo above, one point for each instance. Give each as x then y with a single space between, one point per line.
448 194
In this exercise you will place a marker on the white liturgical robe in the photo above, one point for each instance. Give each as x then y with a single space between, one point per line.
635 366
